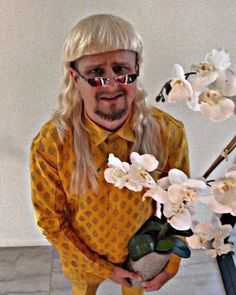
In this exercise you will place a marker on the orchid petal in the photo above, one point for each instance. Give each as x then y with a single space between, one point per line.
175 193
226 230
168 209
149 162
218 207
218 112
164 182
177 176
179 71
133 186
138 175
178 92
225 83
203 227
219 58
223 249
193 102
157 194
212 253
182 221
195 184
114 162
194 242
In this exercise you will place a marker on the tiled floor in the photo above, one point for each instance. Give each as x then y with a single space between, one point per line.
36 271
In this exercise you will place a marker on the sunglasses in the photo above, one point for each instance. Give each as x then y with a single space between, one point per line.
101 81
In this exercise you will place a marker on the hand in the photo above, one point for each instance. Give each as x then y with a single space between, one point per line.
120 276
157 282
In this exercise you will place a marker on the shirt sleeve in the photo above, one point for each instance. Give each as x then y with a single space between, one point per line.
49 201
177 145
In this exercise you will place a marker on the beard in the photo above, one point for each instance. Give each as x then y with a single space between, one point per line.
111 111
114 112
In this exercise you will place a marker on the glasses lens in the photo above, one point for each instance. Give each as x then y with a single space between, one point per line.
99 81
127 79
131 78
95 82
122 79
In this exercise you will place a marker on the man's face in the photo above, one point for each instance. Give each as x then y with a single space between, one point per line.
107 105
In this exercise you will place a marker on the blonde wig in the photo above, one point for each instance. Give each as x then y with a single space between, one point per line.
97 34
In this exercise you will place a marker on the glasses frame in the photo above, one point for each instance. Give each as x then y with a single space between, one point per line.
128 79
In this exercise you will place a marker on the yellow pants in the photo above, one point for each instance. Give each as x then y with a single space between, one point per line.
89 288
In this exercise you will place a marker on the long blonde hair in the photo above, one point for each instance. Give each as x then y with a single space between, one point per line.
97 34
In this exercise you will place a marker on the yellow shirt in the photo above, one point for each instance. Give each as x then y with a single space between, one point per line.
91 232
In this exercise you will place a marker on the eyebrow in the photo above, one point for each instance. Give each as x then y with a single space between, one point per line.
120 63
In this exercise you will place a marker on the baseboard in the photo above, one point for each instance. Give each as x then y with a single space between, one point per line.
23 243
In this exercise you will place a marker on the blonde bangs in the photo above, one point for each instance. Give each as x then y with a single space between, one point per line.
101 33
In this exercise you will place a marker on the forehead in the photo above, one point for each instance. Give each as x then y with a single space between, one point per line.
113 57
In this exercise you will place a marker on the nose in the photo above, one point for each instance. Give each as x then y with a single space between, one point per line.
112 82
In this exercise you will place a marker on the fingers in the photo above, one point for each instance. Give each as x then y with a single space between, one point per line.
157 282
122 276
132 275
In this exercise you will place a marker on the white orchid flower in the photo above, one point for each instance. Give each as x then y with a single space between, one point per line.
205 75
205 232
215 107
225 83
182 193
145 161
220 233
181 89
223 194
176 192
117 173
215 206
201 237
214 72
208 71
134 176
224 191
138 171
220 249
176 176
178 209
178 214
220 59
226 80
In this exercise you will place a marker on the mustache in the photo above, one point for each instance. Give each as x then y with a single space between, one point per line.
109 94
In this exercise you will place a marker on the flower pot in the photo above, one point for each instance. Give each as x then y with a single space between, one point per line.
148 266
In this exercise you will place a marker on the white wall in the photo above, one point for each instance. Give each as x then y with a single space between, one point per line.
31 38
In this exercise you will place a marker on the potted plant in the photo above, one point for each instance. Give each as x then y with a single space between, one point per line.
210 89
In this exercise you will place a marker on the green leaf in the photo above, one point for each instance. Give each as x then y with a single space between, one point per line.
151 225
140 245
180 248
164 245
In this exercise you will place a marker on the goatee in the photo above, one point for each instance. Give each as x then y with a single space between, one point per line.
116 115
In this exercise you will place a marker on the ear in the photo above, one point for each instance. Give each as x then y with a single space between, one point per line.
73 74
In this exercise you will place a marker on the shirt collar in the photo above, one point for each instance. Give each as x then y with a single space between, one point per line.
99 134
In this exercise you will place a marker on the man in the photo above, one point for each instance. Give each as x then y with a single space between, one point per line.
102 110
